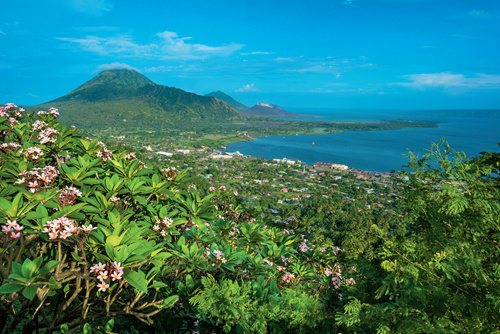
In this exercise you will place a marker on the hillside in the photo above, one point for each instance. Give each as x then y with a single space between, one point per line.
125 98
272 110
229 100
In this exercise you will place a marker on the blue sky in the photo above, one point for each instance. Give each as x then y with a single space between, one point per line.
377 54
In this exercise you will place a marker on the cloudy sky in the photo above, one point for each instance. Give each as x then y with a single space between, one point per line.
377 54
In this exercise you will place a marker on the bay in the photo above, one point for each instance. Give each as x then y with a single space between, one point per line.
380 151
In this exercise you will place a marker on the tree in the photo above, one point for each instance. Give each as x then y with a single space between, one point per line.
439 271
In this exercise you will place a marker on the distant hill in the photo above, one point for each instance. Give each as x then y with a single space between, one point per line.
272 110
126 98
229 100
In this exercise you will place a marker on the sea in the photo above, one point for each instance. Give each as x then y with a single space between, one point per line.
468 131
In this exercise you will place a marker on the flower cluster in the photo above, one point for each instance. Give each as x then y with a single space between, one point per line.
12 229
106 273
267 262
32 153
68 195
38 126
10 109
285 260
61 229
170 172
211 189
163 226
219 256
287 277
337 283
337 250
234 230
38 178
52 111
11 112
303 246
9 146
48 135
130 156
105 154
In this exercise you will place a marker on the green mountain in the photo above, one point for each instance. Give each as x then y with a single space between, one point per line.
126 98
229 100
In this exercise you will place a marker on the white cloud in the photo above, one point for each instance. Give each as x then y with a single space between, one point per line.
256 53
324 68
247 88
177 68
168 46
111 46
450 80
174 47
92 7
116 66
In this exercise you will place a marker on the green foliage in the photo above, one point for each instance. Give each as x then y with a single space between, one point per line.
90 235
440 270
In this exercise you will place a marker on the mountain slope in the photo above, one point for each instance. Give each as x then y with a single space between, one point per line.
272 110
125 98
229 100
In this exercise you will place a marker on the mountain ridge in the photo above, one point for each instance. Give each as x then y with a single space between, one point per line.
229 100
126 98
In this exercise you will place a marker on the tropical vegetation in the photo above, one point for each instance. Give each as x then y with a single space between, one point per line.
94 240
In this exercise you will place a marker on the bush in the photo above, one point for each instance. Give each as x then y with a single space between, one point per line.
89 235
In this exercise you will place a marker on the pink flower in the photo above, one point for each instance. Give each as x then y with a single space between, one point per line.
103 286
102 275
15 235
98 267
6 228
116 276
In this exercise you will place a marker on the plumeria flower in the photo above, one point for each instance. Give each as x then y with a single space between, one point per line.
118 266
6 228
103 286
88 228
98 267
102 275
116 276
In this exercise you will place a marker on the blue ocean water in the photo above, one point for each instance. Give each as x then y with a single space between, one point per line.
380 151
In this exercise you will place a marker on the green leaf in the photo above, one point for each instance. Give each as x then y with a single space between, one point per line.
109 325
10 288
110 251
64 328
170 301
87 329
30 292
48 267
137 279
157 285
113 240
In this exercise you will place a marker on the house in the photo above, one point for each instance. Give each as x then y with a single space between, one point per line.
165 154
